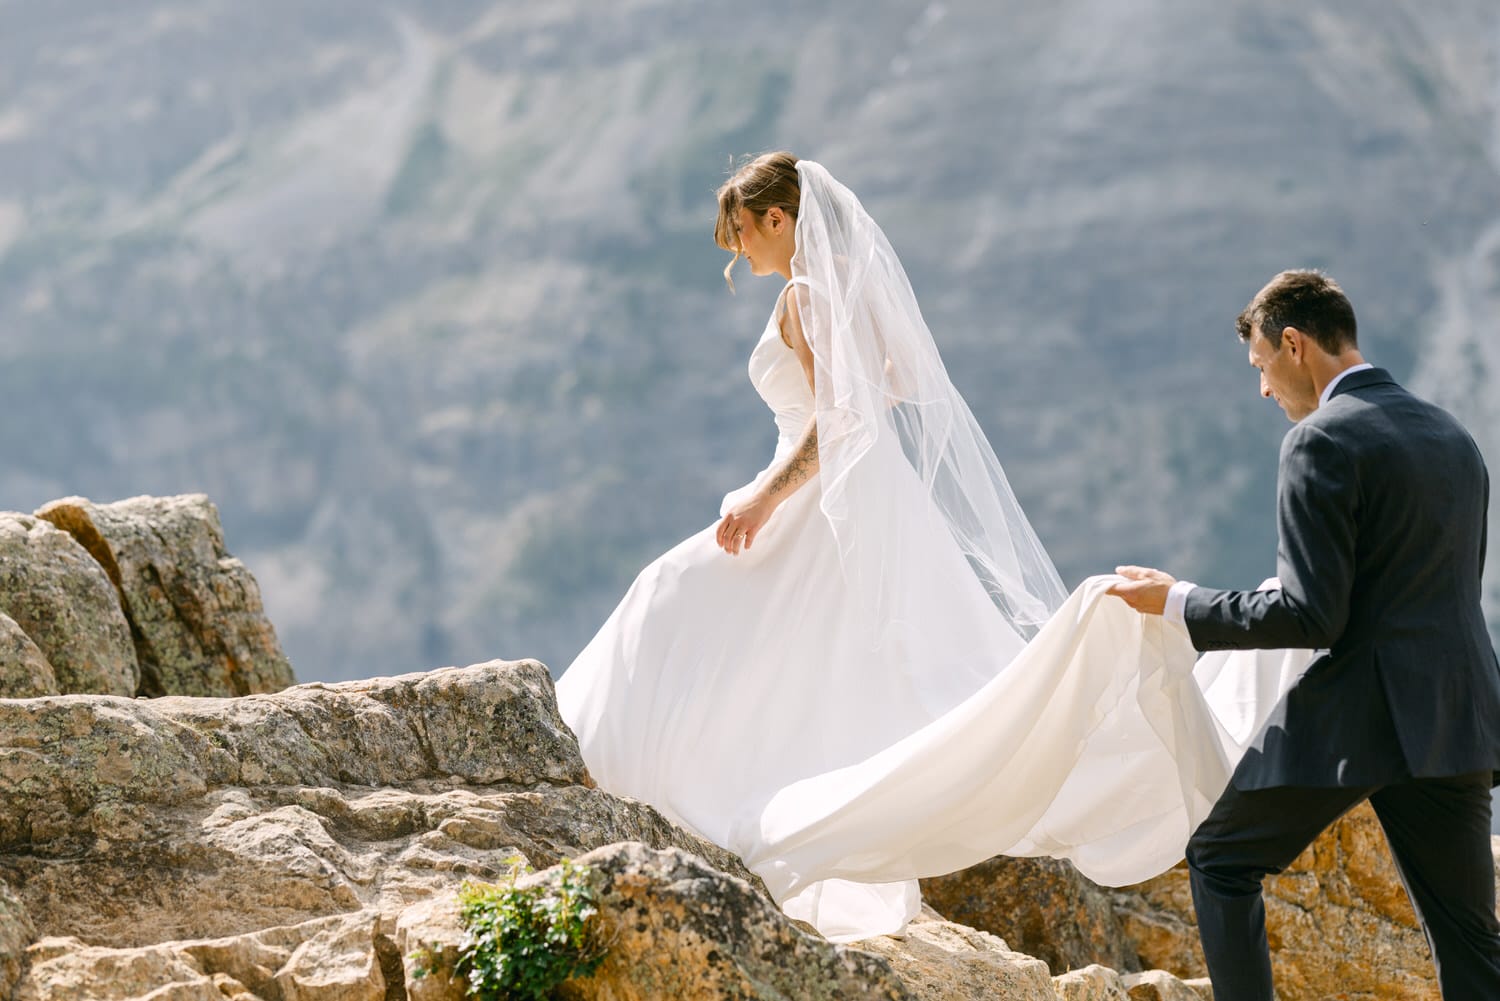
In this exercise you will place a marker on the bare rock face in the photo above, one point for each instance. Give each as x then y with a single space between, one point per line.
683 929
251 845
67 761
61 598
1090 983
679 928
1338 921
1158 985
24 671
1203 986
330 959
119 818
1043 907
16 932
941 961
198 623
427 939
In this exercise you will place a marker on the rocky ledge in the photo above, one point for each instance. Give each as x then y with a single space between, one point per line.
308 842
302 844
276 840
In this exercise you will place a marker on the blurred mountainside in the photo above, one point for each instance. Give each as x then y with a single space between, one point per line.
425 294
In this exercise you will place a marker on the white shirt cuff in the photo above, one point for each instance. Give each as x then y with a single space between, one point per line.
1176 610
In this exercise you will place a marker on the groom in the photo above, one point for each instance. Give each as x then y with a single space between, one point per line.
1381 513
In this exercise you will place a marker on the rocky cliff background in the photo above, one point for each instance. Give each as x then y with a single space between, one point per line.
423 294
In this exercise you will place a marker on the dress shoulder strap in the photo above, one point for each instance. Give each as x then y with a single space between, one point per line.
781 299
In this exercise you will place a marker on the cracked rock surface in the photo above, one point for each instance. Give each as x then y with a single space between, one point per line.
55 592
24 670
196 617
137 597
129 824
681 929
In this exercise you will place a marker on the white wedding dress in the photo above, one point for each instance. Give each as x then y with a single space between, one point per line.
849 707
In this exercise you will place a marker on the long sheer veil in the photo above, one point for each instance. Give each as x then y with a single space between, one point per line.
880 383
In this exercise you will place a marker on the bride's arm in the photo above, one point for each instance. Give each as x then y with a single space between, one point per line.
740 526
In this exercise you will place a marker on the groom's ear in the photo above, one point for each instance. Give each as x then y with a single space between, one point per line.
1295 342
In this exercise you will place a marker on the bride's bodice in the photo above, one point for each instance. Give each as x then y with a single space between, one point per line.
778 377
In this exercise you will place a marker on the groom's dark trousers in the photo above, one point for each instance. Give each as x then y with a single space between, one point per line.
1382 504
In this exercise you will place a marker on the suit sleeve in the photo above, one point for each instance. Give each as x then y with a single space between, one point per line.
1316 509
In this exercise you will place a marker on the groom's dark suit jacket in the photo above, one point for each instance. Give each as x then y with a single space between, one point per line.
1381 513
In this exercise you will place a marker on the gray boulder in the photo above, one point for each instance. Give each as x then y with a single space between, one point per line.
129 823
24 671
197 619
61 598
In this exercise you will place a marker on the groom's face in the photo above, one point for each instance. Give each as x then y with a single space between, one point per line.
1284 376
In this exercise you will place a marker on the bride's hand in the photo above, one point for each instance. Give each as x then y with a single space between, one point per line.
740 526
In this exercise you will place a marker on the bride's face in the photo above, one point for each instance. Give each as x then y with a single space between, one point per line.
766 240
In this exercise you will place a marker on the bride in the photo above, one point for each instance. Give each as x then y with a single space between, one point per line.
868 671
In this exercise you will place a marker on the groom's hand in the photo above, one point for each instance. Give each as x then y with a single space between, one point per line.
1143 589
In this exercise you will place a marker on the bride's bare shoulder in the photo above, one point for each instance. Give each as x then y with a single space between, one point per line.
789 316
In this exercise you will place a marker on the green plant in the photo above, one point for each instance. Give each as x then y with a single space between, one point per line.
521 942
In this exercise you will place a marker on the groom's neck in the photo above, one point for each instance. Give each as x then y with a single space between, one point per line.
1325 367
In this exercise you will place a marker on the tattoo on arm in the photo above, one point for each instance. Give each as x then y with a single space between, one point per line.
799 467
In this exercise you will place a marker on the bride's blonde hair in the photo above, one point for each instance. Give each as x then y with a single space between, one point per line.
766 182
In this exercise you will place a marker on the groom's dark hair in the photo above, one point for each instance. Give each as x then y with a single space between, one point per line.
1311 302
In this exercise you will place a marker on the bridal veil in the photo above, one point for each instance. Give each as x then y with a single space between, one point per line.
878 375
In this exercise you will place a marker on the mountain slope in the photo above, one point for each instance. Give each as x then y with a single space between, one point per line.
425 295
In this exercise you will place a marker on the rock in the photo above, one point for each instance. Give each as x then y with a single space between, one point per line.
127 822
71 768
1099 983
1043 907
63 600
1338 921
1203 986
679 928
195 611
427 940
1091 983
942 961
1157 985
24 671
67 969
341 962
1158 918
329 959
16 933
302 843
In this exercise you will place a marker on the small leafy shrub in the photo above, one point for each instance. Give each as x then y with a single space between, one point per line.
520 943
